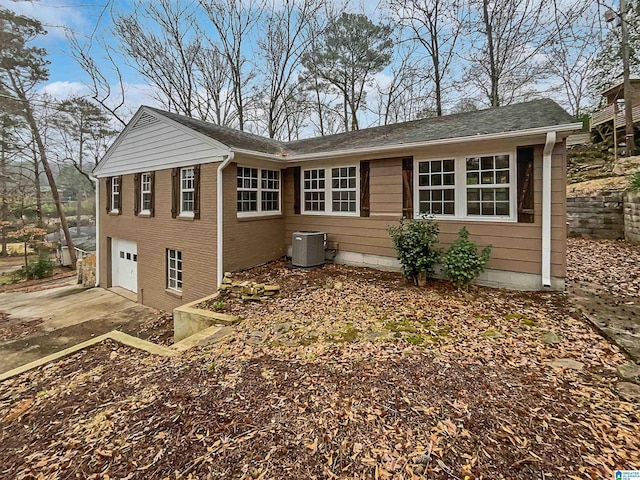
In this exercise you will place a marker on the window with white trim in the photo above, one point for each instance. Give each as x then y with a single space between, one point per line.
174 270
145 192
115 194
436 187
187 190
488 186
258 191
330 190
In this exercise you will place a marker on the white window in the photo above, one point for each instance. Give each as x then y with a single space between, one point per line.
472 188
115 194
187 190
436 187
258 191
145 192
174 270
488 186
331 190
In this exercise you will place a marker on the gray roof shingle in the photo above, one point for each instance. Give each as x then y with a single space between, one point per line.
511 118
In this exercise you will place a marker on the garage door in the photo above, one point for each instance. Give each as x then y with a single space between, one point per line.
124 264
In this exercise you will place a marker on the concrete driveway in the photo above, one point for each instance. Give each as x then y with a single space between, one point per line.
50 320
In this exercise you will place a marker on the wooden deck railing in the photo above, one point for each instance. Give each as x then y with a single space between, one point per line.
606 114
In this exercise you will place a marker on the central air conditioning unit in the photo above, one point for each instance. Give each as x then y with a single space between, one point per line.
307 249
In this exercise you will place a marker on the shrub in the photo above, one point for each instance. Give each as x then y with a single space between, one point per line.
634 183
41 269
414 241
462 263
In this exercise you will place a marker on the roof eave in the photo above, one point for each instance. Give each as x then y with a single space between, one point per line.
291 158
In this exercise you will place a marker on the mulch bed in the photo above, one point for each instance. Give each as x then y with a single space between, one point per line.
348 373
14 328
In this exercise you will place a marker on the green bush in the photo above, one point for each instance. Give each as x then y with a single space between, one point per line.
634 183
462 263
414 241
41 269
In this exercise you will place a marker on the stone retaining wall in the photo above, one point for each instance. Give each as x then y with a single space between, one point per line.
632 217
599 216
86 268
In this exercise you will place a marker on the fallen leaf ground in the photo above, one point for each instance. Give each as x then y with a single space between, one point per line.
348 373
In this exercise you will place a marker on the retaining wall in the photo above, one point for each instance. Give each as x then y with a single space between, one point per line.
632 217
599 216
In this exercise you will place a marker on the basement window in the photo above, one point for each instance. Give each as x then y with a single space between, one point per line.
174 270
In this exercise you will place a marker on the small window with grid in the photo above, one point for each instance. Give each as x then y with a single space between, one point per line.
145 192
115 194
187 190
314 190
343 189
247 189
488 186
174 270
436 187
270 190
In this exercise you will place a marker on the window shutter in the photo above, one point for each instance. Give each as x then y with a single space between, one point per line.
136 193
120 196
365 169
407 187
526 213
296 190
175 192
152 178
196 192
109 197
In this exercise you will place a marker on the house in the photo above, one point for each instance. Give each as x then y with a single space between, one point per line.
181 200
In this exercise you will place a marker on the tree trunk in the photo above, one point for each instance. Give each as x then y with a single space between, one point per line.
494 98
79 192
4 208
36 184
47 169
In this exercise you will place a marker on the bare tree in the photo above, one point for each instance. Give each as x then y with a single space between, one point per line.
436 25
506 47
234 22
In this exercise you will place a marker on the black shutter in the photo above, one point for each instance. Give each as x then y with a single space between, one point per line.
196 192
365 169
296 190
108 195
120 196
175 192
526 212
152 206
407 187
136 193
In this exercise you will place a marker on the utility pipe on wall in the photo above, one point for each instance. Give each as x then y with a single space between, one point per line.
220 219
546 208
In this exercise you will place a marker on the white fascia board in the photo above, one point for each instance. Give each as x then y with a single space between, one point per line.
293 158
220 149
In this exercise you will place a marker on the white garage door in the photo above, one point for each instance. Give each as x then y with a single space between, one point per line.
124 264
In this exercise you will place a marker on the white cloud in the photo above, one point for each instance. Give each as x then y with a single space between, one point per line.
63 89
57 16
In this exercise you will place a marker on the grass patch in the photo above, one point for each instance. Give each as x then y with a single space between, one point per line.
404 325
492 333
529 322
513 316
415 339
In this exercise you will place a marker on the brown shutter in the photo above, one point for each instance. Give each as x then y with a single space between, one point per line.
296 190
109 197
407 187
152 206
365 168
175 192
196 192
526 213
121 206
136 193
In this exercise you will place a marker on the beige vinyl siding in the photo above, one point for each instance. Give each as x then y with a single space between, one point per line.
517 247
249 241
196 239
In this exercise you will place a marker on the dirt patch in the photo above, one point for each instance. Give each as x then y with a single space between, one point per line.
37 284
14 328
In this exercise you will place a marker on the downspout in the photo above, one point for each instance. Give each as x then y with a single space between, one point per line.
97 182
220 218
546 209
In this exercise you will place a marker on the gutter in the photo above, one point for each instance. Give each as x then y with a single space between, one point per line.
546 208
97 182
291 158
220 219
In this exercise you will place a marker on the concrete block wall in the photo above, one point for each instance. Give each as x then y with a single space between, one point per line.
599 216
632 217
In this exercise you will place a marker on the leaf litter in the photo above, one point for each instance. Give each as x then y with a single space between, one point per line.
347 373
